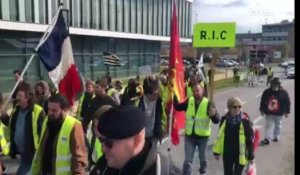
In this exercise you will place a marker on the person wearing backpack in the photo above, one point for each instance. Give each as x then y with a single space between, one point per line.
235 139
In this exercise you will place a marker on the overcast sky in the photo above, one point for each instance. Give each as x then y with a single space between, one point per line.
248 14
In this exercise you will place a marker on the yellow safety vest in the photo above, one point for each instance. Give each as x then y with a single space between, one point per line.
163 91
197 119
111 91
3 142
270 72
218 147
78 116
97 149
63 149
37 109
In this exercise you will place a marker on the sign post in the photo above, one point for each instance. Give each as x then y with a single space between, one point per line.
213 35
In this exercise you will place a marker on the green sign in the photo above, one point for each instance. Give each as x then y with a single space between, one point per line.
214 35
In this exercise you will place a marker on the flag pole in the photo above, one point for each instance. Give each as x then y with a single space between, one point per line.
5 106
17 83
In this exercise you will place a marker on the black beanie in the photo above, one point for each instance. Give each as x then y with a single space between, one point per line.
121 122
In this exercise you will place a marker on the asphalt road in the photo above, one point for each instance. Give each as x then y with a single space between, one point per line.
275 159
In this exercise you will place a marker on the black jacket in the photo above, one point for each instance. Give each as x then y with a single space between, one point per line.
275 102
142 164
29 143
231 140
85 104
158 128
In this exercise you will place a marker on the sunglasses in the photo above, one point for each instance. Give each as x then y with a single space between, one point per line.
109 143
235 107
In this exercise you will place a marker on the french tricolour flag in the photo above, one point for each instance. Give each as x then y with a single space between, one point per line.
55 51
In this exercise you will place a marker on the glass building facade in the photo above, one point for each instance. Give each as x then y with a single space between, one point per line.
133 29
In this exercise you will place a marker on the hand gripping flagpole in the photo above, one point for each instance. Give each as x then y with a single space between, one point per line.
5 106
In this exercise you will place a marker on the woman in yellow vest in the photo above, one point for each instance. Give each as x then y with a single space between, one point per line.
235 139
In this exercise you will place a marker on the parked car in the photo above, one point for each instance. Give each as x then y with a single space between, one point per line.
286 63
291 72
233 62
224 63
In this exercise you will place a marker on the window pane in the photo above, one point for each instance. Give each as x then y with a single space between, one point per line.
133 58
133 16
164 24
145 16
76 13
95 14
139 16
120 15
28 11
169 16
86 18
112 15
155 17
13 9
21 10
5 10
159 26
126 15
122 52
150 17
104 14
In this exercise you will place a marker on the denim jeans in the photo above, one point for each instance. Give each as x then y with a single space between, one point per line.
190 145
270 130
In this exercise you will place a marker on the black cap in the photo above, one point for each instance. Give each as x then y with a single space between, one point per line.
275 80
121 122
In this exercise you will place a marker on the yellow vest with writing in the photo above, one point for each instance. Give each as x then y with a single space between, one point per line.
63 150
219 144
197 119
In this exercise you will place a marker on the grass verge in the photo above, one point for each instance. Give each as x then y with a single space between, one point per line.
226 83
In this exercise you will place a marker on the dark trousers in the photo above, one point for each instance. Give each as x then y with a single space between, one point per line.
232 166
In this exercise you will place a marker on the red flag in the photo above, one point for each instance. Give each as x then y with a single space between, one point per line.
176 78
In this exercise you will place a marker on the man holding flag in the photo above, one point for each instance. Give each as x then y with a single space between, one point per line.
199 114
199 110
176 80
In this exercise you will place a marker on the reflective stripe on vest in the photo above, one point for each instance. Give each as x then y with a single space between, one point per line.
199 117
218 147
63 150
